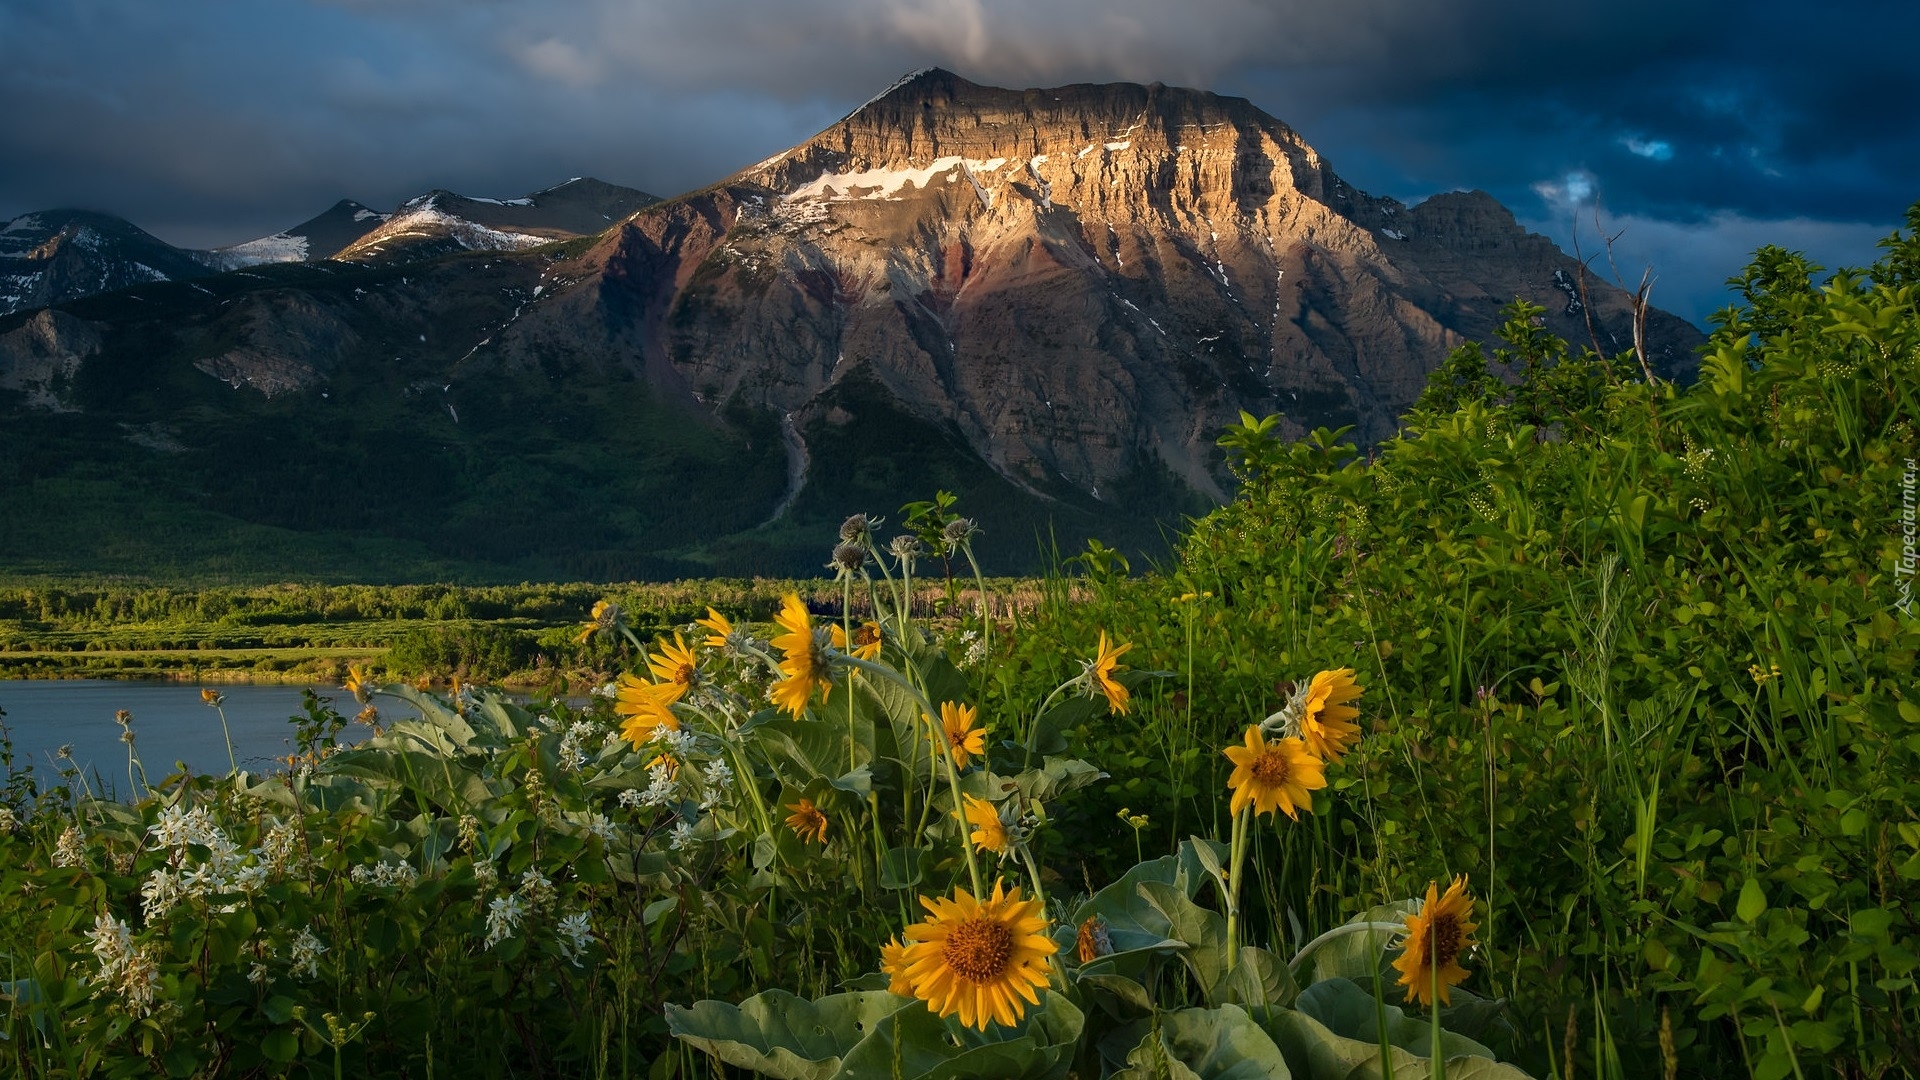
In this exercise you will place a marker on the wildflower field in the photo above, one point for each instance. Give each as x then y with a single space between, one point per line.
1572 733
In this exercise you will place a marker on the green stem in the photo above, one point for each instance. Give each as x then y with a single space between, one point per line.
224 730
986 618
1238 853
1040 894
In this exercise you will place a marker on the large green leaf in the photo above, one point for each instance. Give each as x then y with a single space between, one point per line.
811 748
1202 930
783 1036
1315 1053
1056 777
1140 931
1349 1010
1259 979
1356 955
1203 1044
914 1044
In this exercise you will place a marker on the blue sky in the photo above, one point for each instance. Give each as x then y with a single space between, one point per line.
1693 131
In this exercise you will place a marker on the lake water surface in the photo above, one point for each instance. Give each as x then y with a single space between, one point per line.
170 723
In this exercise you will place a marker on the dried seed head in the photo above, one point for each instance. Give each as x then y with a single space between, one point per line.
848 558
858 529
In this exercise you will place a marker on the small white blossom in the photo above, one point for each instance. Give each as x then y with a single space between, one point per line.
601 826
112 941
306 953
69 850
257 974
633 798
535 887
503 918
159 893
682 836
7 820
576 934
485 876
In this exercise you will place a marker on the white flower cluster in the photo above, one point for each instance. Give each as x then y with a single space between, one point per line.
7 820
576 935
224 870
536 889
660 785
681 836
306 952
609 691
719 780
125 970
69 850
602 826
394 875
572 755
503 918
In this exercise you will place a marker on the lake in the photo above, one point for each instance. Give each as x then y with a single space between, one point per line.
170 724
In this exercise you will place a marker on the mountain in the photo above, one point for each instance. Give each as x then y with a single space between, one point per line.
440 221
1048 301
319 237
54 256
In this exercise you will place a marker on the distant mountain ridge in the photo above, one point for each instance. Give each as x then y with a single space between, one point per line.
1048 301
57 256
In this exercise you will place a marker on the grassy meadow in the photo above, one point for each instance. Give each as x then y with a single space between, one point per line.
1573 733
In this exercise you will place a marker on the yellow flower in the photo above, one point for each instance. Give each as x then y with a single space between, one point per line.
605 616
893 964
640 703
211 696
1273 775
1101 672
979 958
1327 726
988 831
964 741
359 683
805 665
1437 936
866 640
1093 942
721 627
807 822
674 670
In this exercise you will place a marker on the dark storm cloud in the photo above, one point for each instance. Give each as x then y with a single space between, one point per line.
1696 126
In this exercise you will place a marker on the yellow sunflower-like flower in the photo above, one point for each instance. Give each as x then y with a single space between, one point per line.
358 683
720 625
1327 725
1101 672
1092 942
674 669
605 616
989 833
866 640
805 664
807 821
640 703
964 741
1273 775
893 964
1437 936
979 958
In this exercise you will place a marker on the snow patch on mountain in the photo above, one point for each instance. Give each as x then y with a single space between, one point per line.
884 183
278 248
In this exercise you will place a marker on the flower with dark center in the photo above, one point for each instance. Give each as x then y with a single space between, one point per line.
1437 936
1273 775
979 958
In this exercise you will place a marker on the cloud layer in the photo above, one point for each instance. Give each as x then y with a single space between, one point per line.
209 122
